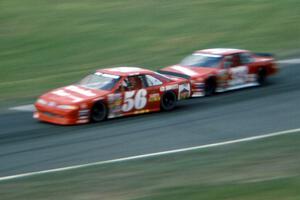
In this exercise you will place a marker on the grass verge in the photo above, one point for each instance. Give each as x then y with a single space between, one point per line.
266 169
47 44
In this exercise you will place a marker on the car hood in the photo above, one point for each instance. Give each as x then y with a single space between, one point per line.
73 94
191 72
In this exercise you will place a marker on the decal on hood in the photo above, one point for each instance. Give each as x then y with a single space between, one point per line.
184 70
63 93
81 91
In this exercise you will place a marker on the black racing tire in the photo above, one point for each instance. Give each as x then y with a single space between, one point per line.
168 101
210 87
99 112
261 76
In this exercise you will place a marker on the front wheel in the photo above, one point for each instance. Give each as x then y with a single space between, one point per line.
210 87
168 101
99 112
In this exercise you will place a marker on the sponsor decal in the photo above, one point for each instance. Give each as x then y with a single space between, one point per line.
162 89
154 97
134 100
239 75
141 111
172 87
114 104
184 91
222 78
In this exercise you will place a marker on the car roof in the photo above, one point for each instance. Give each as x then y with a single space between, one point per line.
221 51
125 71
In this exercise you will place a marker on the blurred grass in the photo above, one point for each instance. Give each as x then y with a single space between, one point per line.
45 44
267 169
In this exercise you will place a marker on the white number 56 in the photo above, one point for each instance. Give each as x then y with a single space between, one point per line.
137 101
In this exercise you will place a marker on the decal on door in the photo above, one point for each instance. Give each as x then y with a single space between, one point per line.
184 91
154 97
134 100
239 75
115 105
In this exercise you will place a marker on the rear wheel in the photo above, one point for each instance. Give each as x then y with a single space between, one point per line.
261 76
168 101
210 87
99 112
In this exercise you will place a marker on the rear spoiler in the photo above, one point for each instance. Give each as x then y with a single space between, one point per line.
265 54
174 74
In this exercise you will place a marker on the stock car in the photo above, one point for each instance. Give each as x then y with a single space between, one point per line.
109 93
222 69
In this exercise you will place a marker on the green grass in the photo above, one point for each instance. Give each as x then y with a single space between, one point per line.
45 44
267 169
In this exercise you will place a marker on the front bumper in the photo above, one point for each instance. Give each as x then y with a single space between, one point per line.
58 116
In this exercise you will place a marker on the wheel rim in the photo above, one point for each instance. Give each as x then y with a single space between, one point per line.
208 90
98 113
169 101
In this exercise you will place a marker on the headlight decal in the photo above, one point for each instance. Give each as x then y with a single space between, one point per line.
67 107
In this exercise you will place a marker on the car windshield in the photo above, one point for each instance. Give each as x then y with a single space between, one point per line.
201 60
99 81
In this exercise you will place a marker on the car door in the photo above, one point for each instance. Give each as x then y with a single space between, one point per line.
135 95
153 85
130 97
238 72
248 60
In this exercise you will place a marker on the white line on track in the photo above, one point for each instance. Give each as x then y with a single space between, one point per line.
152 154
31 108
25 108
289 61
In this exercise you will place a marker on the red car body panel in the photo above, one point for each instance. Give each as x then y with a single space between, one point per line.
237 76
72 104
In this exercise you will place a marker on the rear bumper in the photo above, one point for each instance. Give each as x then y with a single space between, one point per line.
198 89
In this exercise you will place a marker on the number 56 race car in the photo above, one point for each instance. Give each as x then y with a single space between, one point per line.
219 70
110 93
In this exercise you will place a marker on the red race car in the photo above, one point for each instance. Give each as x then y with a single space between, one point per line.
223 69
110 93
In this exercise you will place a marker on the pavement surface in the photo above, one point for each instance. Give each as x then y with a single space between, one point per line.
27 145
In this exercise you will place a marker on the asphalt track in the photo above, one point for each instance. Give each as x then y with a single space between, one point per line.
27 145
